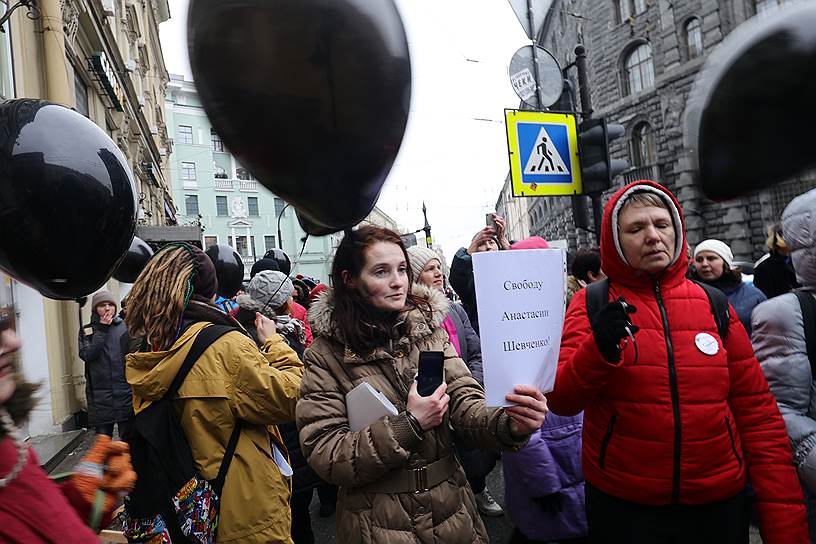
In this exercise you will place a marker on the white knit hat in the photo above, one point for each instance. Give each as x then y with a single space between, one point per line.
418 257
718 247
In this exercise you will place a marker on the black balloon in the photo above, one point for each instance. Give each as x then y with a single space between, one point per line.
279 256
67 199
311 96
751 115
229 269
134 261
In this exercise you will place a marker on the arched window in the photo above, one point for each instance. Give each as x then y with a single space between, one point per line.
694 37
242 173
643 145
638 70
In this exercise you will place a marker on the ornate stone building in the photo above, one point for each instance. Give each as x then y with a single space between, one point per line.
643 56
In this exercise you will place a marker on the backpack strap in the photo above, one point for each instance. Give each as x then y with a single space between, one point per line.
719 308
597 296
203 340
808 305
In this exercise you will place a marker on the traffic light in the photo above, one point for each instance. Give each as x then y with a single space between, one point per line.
597 169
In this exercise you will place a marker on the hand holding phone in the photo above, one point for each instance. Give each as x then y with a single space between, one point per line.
431 367
490 221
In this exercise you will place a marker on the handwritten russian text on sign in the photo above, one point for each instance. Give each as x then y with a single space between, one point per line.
520 295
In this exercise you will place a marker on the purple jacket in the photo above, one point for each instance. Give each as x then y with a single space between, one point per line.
549 465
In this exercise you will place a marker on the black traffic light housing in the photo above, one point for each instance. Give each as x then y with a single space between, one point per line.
597 168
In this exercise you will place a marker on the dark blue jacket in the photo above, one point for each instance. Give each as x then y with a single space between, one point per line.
103 348
461 279
744 297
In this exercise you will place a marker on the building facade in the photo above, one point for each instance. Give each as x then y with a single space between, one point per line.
515 212
214 190
102 58
642 59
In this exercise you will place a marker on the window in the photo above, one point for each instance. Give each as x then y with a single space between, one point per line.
220 173
640 6
191 205
210 241
643 145
185 134
694 38
252 247
623 10
242 173
279 206
81 94
221 208
217 144
252 204
762 7
242 246
638 70
188 171
269 243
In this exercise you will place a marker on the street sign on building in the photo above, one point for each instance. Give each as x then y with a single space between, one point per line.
543 152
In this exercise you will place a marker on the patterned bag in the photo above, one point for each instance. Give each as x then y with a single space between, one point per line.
172 502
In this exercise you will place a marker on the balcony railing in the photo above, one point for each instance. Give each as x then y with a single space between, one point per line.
223 185
249 185
637 173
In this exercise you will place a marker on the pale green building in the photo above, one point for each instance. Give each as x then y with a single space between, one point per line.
234 209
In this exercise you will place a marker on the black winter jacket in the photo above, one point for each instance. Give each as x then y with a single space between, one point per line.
103 348
461 279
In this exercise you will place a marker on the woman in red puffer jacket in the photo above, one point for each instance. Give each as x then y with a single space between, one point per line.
675 420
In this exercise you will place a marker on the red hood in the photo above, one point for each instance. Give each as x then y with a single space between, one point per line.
612 261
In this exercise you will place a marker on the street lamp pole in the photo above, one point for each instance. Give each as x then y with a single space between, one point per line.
280 240
427 227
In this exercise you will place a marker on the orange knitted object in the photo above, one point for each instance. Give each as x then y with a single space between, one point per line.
106 466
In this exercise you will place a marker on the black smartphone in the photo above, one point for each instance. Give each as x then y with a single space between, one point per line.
429 377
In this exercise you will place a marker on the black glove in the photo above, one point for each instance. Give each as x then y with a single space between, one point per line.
550 503
609 327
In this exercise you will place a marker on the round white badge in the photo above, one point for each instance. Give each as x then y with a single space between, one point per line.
707 343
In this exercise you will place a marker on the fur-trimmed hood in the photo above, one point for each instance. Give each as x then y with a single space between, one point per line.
415 323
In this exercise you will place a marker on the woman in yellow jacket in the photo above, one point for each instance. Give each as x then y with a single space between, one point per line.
171 302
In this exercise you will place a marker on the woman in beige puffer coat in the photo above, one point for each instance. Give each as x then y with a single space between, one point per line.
399 481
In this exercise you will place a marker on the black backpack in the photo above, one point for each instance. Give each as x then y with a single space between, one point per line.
597 296
170 498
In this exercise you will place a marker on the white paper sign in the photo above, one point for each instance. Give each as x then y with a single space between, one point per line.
520 295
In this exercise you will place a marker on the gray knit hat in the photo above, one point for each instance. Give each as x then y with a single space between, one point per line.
102 296
269 288
419 257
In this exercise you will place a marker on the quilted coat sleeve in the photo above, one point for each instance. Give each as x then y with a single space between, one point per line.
472 420
779 500
779 344
267 381
91 346
341 456
582 370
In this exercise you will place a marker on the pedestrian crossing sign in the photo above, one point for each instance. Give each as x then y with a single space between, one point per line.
543 151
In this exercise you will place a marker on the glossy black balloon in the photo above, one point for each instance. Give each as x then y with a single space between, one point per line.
134 261
67 199
278 255
311 96
229 269
752 117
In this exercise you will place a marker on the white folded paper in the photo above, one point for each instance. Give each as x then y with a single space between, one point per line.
365 405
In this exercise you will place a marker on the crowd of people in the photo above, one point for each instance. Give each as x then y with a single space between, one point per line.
682 407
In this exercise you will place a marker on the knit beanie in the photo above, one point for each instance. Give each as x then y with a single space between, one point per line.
269 288
533 242
100 297
205 280
718 247
418 257
263 264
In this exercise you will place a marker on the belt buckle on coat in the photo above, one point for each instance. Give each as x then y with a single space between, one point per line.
420 479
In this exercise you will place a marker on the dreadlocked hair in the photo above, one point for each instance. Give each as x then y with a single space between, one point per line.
160 295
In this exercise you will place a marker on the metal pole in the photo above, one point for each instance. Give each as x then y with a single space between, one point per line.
280 240
583 82
534 34
586 113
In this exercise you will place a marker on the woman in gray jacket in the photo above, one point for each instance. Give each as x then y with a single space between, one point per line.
779 343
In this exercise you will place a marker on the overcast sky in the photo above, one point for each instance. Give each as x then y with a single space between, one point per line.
454 152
